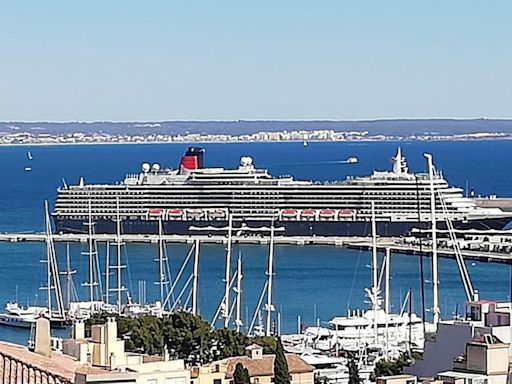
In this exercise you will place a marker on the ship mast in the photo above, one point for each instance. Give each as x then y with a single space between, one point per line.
69 277
270 274
375 278
227 278
119 267
195 274
435 278
53 279
162 259
91 253
387 293
238 290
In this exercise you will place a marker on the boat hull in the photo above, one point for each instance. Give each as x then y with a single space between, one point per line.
12 321
289 228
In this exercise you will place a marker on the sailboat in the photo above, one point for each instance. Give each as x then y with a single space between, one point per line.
29 155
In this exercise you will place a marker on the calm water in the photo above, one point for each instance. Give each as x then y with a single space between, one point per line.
314 281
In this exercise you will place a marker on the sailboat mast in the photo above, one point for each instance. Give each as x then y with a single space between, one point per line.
435 278
195 281
119 266
53 270
270 281
107 272
69 277
387 297
91 258
238 320
161 259
227 277
375 277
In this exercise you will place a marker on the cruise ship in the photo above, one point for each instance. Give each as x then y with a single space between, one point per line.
194 198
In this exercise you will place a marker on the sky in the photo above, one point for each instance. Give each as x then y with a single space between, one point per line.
114 60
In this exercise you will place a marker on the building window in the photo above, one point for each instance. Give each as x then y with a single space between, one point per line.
217 381
175 380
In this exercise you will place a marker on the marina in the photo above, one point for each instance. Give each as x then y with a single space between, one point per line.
156 273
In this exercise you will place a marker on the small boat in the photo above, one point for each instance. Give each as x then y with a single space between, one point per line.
289 213
29 155
175 212
351 160
327 213
308 213
16 316
346 212
304 143
154 212
28 169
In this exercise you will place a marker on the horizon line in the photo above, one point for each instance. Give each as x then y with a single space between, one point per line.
372 120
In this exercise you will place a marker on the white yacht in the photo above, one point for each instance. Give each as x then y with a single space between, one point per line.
23 317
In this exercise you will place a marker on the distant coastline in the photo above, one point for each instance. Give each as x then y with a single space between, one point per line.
70 133
369 140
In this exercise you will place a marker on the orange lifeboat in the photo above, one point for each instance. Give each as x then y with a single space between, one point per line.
175 213
308 213
289 213
154 212
327 213
346 212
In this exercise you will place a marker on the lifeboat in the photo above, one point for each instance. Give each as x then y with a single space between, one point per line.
175 213
289 213
346 212
155 212
217 214
327 213
308 213
195 213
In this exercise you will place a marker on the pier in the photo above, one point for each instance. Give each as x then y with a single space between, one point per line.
396 245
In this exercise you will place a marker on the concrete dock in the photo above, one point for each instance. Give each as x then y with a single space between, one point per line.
396 245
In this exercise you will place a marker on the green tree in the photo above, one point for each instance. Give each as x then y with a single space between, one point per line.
268 343
281 373
188 337
353 372
241 375
185 335
230 343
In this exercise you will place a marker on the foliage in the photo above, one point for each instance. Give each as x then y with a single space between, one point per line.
353 372
241 375
268 343
185 335
396 366
281 373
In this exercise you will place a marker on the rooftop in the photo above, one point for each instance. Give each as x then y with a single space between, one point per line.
265 365
58 364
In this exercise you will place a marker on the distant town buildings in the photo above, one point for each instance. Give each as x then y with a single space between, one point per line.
16 137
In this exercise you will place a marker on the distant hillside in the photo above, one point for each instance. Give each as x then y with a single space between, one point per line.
401 127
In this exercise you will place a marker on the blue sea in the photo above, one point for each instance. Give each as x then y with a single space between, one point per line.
315 282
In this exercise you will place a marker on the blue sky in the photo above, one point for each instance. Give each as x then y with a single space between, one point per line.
201 60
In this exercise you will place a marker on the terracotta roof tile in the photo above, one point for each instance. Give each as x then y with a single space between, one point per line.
58 364
265 365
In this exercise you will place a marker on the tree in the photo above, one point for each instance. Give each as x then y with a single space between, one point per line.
353 372
281 373
230 343
241 375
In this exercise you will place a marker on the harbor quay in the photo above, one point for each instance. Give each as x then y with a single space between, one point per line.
473 248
